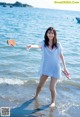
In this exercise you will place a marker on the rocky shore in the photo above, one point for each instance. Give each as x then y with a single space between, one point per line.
16 4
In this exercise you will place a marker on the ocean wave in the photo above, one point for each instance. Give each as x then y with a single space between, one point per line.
36 81
17 47
72 82
17 81
11 81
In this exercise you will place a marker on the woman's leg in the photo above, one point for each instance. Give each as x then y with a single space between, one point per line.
53 91
43 78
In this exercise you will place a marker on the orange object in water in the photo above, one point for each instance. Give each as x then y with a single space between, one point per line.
11 42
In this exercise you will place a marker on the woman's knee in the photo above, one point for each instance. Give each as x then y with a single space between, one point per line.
53 83
52 88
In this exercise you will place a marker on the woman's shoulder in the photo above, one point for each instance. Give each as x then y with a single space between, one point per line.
41 43
59 44
60 47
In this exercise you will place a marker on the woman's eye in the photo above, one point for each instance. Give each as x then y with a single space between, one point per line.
51 33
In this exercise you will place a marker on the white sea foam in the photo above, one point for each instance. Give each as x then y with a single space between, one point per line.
11 81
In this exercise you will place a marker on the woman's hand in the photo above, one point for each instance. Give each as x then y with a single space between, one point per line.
33 46
28 47
65 71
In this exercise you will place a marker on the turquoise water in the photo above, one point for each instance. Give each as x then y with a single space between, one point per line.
19 67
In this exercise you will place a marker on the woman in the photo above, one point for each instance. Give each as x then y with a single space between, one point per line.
52 52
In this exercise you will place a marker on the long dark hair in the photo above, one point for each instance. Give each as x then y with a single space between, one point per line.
46 39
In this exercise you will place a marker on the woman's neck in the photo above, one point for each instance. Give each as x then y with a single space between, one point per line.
50 43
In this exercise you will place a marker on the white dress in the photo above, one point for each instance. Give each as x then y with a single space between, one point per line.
50 61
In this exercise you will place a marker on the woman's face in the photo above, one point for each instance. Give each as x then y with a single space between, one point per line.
50 35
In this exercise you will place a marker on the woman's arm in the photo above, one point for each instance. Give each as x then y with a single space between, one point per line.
33 46
63 61
65 71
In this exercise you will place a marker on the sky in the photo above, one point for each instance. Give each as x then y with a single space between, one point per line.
48 4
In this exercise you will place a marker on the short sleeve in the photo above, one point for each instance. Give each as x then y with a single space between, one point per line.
41 44
60 47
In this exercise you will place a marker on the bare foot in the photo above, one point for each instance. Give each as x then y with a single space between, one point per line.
52 105
35 96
